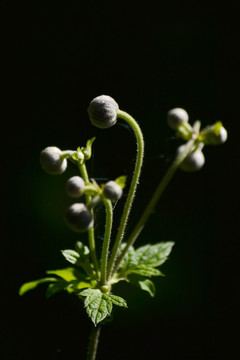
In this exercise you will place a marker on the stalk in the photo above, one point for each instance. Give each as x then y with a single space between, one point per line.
152 203
138 165
91 235
106 241
93 343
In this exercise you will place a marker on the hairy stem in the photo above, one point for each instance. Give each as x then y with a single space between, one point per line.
138 165
152 203
93 343
91 235
106 241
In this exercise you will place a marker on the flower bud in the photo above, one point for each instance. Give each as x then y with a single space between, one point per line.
51 161
211 138
75 186
79 218
222 137
194 160
112 190
176 117
103 111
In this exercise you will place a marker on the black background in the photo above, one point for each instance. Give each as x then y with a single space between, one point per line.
151 57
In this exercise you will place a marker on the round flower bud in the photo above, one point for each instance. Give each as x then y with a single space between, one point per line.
75 186
51 161
79 218
112 190
218 139
194 161
103 111
222 137
176 117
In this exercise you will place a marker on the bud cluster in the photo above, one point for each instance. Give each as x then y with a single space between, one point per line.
216 134
103 112
79 216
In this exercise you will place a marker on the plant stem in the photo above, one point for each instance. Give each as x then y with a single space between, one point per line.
148 210
106 241
93 343
91 235
138 165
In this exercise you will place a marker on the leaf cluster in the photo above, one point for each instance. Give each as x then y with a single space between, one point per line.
137 268
139 265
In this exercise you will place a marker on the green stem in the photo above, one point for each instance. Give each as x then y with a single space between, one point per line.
91 235
138 165
106 241
151 205
93 343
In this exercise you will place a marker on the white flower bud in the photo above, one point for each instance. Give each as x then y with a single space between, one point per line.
79 218
51 161
194 161
223 135
103 111
215 134
75 186
220 138
176 117
112 190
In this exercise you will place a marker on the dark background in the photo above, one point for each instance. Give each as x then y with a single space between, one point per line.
151 57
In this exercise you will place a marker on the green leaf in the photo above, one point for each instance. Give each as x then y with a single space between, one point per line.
145 270
117 300
71 286
33 284
72 256
130 259
80 257
154 255
143 283
121 181
54 288
148 285
99 305
68 274
82 249
78 156
144 260
87 151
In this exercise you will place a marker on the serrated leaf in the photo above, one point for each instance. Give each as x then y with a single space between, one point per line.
145 270
121 181
154 255
117 300
99 305
130 259
33 284
72 256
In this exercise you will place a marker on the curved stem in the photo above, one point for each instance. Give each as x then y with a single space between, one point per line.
91 235
93 343
138 165
106 241
151 205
